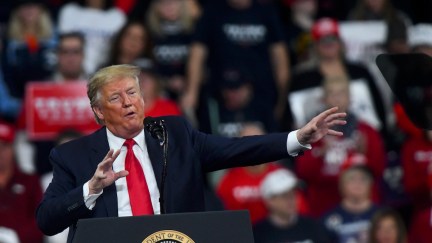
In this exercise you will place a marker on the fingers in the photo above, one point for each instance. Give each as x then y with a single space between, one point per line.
109 154
121 174
115 155
336 122
334 133
109 159
326 113
335 116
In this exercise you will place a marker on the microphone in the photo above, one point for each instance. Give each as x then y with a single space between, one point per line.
156 128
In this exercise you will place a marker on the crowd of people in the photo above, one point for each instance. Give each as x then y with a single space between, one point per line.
238 68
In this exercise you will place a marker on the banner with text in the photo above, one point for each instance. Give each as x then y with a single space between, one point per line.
55 107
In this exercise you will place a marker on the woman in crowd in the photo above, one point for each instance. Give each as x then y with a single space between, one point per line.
387 227
29 47
130 45
171 23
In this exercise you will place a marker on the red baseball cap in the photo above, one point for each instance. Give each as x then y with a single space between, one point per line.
7 132
325 27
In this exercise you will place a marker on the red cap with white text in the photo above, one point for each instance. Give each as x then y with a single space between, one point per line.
325 27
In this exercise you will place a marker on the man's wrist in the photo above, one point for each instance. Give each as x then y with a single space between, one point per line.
294 147
92 190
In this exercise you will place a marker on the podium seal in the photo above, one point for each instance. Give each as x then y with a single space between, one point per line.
168 236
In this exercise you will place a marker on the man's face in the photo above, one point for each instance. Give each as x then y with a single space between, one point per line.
356 185
121 107
70 57
284 204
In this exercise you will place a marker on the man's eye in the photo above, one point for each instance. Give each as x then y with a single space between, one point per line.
132 92
115 98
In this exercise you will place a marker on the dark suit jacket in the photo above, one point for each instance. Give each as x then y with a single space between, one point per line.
190 154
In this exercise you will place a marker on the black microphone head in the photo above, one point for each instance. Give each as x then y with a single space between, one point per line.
148 120
154 127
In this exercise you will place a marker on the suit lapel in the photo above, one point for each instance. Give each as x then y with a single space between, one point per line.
156 156
100 148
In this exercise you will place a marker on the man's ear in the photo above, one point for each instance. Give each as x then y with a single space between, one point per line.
98 112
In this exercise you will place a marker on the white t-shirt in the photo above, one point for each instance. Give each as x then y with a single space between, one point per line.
97 26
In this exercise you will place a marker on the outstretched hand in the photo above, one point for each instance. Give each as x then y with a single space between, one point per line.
320 126
104 175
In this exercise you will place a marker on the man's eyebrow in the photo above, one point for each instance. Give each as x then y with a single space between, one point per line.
130 88
114 93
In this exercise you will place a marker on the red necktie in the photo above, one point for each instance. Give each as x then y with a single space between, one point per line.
139 195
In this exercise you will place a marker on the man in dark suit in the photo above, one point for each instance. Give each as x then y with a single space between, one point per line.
90 177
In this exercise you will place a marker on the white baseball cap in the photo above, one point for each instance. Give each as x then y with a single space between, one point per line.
420 34
278 182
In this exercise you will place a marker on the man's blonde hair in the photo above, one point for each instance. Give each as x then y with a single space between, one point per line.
105 76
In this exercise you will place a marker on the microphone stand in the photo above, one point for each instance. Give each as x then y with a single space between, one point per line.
164 144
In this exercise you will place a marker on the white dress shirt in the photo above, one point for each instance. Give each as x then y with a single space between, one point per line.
141 152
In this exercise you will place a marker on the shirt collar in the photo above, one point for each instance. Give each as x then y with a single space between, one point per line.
117 142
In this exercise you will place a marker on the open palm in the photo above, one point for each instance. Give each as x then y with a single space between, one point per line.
321 125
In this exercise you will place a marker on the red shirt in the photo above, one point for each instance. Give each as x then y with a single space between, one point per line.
421 227
18 203
162 107
320 167
417 164
240 189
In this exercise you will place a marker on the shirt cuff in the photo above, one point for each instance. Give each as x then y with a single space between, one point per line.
90 200
294 147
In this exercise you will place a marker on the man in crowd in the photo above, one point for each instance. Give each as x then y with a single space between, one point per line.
284 224
93 175
70 58
350 220
19 194
239 187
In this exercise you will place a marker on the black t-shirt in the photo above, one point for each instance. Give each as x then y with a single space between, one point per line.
170 51
241 38
229 123
304 230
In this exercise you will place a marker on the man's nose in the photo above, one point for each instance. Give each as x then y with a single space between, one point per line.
126 101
